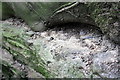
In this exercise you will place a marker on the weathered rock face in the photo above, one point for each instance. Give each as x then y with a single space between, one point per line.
72 13
34 14
41 15
5 11
107 17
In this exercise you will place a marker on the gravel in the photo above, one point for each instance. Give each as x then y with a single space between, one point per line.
74 51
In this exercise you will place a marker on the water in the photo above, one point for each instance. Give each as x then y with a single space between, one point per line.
76 51
79 52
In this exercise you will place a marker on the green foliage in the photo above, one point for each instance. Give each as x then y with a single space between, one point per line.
23 52
9 71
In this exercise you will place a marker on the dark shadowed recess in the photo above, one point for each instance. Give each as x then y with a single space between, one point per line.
74 26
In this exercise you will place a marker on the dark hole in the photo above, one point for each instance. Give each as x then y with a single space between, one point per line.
73 25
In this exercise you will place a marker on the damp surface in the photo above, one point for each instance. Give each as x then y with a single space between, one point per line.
75 51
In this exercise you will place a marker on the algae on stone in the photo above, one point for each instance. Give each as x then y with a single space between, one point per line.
107 17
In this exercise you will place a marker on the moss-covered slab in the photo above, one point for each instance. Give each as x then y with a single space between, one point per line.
47 14
107 17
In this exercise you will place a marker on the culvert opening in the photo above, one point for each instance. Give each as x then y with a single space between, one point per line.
72 25
76 28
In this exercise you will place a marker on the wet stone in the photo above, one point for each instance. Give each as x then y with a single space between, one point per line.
65 53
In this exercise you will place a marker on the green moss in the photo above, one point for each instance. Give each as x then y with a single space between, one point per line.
105 15
6 11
